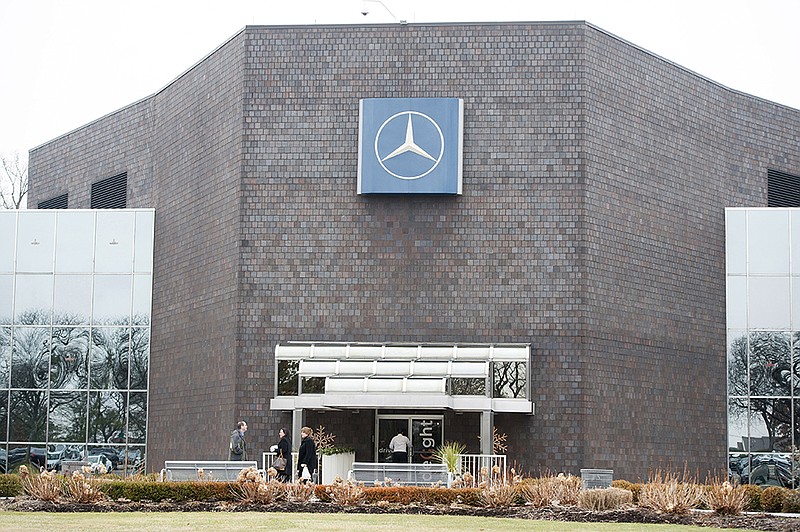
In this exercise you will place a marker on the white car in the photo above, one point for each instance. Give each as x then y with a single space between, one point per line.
97 462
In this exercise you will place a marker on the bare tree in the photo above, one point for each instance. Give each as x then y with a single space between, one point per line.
13 181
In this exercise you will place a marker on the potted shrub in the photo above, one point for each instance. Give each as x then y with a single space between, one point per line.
336 461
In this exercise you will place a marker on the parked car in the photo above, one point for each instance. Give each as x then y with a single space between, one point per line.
99 462
133 458
110 453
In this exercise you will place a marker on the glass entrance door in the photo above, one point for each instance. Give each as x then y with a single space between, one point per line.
426 433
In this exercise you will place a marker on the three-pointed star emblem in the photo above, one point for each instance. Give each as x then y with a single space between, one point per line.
409 145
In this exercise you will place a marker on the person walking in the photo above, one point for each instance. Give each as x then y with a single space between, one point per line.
284 450
238 444
307 455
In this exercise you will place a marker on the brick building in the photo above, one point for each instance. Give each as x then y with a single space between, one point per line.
589 232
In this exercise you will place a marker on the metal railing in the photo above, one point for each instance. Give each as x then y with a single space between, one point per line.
489 468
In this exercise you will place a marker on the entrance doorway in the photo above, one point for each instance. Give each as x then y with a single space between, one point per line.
426 433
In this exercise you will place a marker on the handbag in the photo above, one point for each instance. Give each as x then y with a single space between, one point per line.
279 463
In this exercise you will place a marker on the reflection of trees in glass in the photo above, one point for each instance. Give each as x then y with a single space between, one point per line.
137 417
106 415
509 379
5 356
287 377
67 421
467 386
140 357
770 367
28 415
313 384
70 352
30 354
109 365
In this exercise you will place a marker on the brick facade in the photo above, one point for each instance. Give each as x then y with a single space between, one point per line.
591 226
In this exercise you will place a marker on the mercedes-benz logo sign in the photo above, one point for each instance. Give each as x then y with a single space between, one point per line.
409 145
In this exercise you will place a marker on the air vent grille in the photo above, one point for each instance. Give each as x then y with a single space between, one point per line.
783 190
59 202
110 193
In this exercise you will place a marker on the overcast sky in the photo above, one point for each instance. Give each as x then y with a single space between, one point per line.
64 63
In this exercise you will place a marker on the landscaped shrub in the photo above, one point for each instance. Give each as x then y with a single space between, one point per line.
634 488
160 491
80 489
604 499
666 493
299 492
791 503
772 498
346 494
551 490
724 498
500 495
10 485
754 494
44 487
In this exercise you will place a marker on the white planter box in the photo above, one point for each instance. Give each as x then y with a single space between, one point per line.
336 464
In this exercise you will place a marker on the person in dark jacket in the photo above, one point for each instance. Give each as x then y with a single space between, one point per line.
307 456
238 445
284 450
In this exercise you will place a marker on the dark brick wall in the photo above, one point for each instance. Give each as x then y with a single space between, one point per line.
591 226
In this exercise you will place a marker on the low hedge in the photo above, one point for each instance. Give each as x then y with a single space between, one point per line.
412 494
10 485
176 491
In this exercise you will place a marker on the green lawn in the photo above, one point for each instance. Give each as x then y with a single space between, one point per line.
207 521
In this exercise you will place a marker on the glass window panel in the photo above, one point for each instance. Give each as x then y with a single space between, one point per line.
140 357
735 239
3 417
797 424
33 298
739 465
112 299
72 303
109 362
106 415
509 379
467 386
426 437
137 418
768 241
27 455
313 384
69 358
114 242
769 302
5 356
67 421
6 298
28 415
770 364
770 470
132 462
770 425
796 303
736 302
8 235
142 295
143 250
795 217
738 411
75 242
796 364
737 363
288 371
30 357
35 241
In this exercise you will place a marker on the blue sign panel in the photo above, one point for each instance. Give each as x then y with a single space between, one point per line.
410 146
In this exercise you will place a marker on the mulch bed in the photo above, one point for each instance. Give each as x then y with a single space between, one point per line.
765 522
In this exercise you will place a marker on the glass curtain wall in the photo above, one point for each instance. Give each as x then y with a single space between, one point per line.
75 294
763 321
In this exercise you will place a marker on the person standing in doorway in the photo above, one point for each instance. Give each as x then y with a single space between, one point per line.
399 446
238 444
307 455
